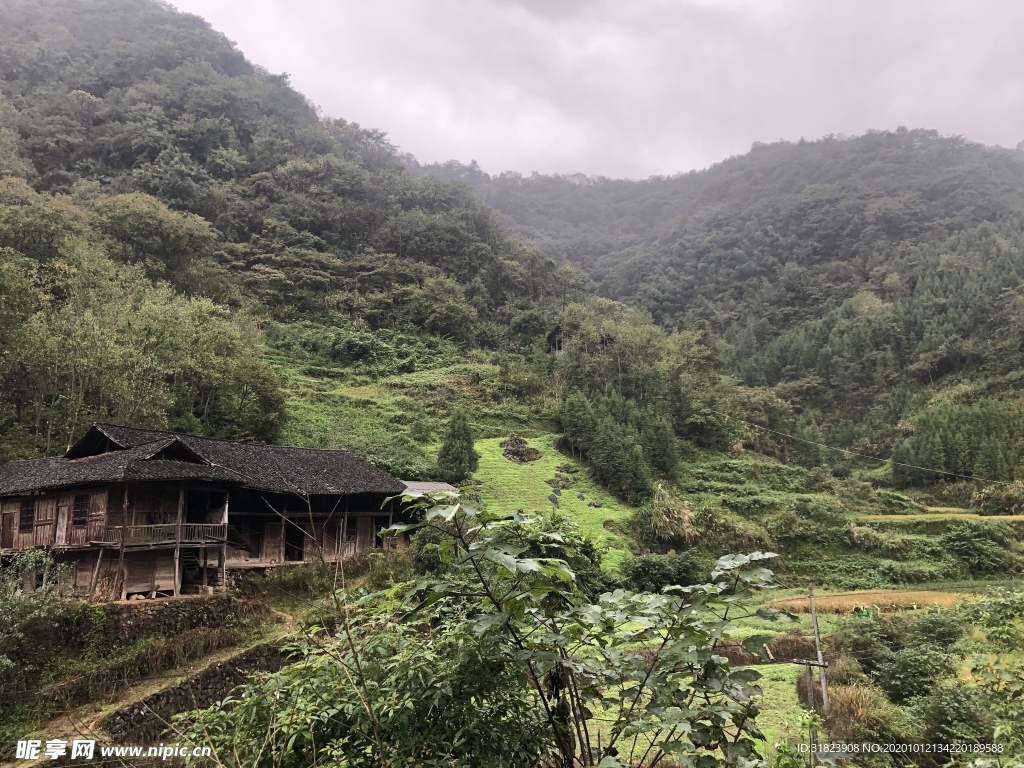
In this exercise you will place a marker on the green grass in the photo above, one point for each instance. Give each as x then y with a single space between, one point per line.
780 708
933 516
508 486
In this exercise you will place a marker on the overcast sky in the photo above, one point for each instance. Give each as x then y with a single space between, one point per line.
633 88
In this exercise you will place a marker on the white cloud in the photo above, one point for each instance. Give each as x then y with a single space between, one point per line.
638 88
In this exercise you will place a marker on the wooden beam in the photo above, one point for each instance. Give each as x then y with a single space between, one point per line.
120 559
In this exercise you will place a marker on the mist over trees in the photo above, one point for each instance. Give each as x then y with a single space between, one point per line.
861 280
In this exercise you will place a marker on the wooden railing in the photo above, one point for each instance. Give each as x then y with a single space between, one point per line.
164 534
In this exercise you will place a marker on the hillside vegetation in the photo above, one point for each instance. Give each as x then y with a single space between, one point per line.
865 280
812 350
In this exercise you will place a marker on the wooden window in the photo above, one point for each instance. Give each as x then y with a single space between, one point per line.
28 516
80 512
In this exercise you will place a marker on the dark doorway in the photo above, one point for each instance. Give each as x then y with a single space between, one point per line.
204 507
294 542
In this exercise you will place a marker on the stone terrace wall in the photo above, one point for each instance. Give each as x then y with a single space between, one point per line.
145 721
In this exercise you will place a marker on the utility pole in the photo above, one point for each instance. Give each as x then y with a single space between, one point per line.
821 658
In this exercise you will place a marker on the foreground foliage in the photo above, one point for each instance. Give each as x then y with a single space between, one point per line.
500 659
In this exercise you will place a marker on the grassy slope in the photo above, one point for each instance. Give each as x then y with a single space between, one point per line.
508 486
324 411
328 412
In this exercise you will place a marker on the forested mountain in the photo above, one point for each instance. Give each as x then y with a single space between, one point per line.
144 161
810 220
848 285
857 277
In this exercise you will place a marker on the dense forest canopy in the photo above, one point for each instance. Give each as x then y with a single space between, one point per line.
858 278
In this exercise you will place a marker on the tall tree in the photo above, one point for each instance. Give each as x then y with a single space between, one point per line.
457 460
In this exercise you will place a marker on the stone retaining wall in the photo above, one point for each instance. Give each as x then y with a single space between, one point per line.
145 721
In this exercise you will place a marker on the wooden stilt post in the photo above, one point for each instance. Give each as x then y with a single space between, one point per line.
224 567
344 530
95 574
223 554
177 540
119 573
206 554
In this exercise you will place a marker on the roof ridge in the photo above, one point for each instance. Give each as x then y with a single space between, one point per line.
100 424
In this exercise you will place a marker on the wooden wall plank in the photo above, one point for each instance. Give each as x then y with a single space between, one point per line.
142 566
365 533
46 521
97 515
7 524
273 542
114 506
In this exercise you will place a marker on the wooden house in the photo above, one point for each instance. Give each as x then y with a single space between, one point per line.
139 511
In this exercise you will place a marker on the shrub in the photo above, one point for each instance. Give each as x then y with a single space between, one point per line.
999 499
897 503
955 713
309 578
868 640
426 557
666 522
935 627
980 546
842 470
397 454
35 626
652 573
912 672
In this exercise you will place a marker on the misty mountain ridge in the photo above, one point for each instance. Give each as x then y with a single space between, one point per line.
854 277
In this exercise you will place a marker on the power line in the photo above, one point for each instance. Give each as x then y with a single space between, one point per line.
848 452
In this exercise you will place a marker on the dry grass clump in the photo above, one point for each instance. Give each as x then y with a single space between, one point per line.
882 599
842 672
861 712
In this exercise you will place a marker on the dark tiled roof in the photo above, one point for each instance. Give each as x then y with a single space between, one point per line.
143 454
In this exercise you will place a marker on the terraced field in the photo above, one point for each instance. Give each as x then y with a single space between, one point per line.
883 599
